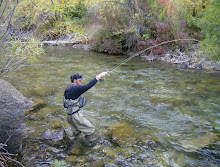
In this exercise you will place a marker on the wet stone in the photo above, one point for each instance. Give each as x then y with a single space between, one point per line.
57 124
44 112
122 134
53 136
104 131
71 158
126 152
82 160
201 142
147 137
181 160
109 152
77 149
38 104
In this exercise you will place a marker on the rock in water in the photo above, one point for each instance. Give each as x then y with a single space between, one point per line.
54 136
217 65
12 107
201 142
122 134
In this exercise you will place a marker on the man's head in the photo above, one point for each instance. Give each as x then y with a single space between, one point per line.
76 78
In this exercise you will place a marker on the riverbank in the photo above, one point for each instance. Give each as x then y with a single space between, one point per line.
191 58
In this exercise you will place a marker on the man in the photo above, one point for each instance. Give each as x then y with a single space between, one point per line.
74 101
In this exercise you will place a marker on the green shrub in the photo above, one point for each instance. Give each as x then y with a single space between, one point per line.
78 10
113 19
105 41
210 26
68 19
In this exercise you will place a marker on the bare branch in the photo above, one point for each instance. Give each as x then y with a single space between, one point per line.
39 25
13 66
5 156
14 161
12 59
9 20
7 153
3 9
2 145
1 3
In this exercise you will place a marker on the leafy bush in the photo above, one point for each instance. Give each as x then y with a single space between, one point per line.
106 41
159 32
210 24
111 37
78 10
140 27
68 20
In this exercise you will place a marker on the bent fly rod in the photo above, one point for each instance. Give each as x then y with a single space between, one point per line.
144 50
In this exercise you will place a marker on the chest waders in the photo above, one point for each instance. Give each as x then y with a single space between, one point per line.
73 106
76 120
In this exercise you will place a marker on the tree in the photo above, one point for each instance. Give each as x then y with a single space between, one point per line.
25 23
15 46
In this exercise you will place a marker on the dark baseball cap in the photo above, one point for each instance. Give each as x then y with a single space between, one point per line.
76 76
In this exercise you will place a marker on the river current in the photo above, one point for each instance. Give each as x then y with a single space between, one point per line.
174 113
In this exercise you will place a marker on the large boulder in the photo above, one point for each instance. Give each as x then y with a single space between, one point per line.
12 107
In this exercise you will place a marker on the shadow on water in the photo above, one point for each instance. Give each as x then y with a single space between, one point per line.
170 115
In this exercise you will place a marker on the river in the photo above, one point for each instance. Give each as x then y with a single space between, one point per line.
174 113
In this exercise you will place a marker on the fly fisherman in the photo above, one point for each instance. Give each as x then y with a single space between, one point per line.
74 101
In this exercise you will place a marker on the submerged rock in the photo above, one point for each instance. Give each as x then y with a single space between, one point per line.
77 150
44 112
122 134
109 152
38 104
125 151
147 137
166 158
201 142
71 158
53 136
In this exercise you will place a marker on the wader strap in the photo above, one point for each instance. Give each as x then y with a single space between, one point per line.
73 106
73 112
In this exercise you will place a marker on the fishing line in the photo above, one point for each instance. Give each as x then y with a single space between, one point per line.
142 51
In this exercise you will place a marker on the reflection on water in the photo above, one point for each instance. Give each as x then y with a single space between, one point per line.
174 113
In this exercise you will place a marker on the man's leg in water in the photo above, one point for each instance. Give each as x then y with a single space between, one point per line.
81 124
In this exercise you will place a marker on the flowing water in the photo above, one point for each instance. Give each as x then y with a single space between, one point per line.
174 114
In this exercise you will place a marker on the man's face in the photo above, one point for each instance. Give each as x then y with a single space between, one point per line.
78 82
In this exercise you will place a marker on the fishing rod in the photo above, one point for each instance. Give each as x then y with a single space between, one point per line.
144 50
